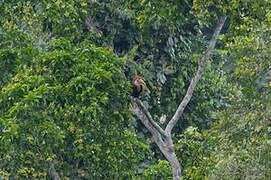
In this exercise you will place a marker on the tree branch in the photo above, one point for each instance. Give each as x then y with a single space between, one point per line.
143 118
148 115
198 75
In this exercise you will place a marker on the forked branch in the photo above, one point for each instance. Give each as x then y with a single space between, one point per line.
147 113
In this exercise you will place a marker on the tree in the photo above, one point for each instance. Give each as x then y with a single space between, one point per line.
162 137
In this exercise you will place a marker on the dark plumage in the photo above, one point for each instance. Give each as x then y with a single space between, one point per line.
136 92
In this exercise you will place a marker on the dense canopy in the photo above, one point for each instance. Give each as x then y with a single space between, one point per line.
66 110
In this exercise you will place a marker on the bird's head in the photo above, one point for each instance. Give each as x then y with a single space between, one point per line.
139 83
138 80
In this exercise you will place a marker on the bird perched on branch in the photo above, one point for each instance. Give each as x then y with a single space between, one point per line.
138 85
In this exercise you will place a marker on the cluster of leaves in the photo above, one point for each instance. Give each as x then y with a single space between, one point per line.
196 152
245 142
162 170
101 22
68 107
238 10
245 125
65 102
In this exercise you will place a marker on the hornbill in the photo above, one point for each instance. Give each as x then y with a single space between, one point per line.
138 85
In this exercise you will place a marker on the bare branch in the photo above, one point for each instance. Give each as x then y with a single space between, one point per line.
143 118
148 115
198 75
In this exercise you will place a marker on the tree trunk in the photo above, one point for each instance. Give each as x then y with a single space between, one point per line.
176 168
167 148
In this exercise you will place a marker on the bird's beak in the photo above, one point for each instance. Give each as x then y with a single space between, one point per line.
142 82
144 85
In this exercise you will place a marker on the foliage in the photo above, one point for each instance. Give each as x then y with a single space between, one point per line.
239 11
162 170
245 125
165 38
196 152
64 99
8 62
67 108
245 143
76 20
